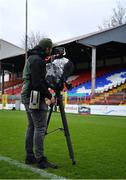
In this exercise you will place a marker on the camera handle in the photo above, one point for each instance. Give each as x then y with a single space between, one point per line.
65 125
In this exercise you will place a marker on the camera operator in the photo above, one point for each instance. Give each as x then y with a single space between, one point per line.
34 81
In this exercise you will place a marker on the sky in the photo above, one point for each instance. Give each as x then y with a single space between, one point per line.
56 19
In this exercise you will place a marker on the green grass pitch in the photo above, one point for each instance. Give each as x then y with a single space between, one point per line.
99 144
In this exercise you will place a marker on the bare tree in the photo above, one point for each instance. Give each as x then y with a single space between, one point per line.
118 17
32 40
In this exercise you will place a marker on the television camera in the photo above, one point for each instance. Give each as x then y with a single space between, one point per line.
59 69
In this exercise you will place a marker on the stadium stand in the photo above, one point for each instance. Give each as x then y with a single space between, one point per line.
115 96
11 83
14 90
110 89
103 83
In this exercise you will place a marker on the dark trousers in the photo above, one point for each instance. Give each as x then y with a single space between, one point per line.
35 134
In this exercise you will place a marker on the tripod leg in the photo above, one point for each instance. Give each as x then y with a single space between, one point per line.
49 116
66 130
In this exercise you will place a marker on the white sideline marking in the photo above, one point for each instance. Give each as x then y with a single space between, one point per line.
41 172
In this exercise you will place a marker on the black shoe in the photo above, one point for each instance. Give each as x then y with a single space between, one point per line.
30 160
43 163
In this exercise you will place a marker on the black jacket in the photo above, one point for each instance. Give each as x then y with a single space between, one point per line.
34 75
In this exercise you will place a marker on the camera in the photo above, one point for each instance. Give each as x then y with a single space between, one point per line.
58 69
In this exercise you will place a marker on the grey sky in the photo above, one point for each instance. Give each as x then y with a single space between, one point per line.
57 19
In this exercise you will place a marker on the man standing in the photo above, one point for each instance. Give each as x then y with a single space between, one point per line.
34 81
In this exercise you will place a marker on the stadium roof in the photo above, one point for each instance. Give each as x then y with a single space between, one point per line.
115 34
109 42
8 50
12 57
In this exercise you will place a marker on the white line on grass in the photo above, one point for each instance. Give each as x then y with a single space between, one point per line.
41 172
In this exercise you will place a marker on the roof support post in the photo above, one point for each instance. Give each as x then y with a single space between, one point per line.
26 31
2 81
93 71
93 68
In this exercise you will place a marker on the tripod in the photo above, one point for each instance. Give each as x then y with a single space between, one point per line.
65 125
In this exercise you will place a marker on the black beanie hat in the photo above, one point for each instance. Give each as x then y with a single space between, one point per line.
45 43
